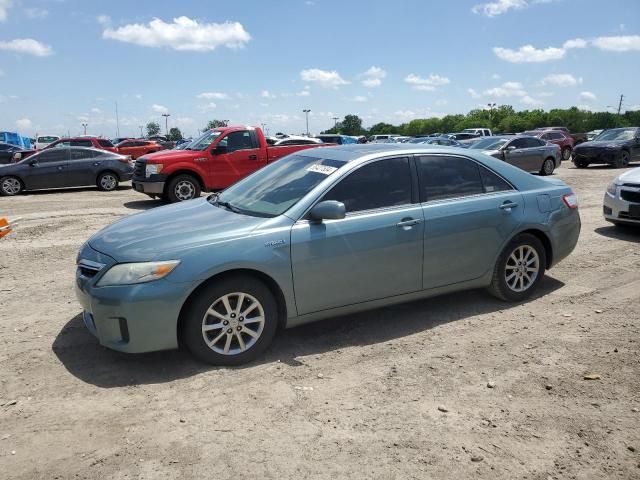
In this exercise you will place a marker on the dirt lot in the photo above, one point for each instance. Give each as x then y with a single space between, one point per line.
354 397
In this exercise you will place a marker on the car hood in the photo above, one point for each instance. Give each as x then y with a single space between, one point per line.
632 176
159 157
165 233
602 144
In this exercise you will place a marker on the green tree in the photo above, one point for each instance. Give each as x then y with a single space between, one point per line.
383 128
351 125
153 128
175 134
215 124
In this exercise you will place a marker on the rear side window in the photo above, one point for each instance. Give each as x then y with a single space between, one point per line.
448 177
492 182
105 143
81 154
385 183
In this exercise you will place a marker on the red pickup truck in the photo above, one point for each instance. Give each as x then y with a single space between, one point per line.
219 158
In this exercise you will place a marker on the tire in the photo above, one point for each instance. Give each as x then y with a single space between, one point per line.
580 163
182 188
566 153
548 166
107 181
209 346
623 160
516 289
10 186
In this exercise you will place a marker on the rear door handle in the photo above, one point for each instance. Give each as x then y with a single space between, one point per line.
508 205
408 223
96 163
253 157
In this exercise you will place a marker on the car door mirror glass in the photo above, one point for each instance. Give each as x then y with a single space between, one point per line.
511 147
328 210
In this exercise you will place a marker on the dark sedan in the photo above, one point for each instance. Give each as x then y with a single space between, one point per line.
616 147
525 152
65 167
7 151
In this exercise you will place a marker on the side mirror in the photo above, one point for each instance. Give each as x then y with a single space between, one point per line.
510 148
328 210
220 149
33 162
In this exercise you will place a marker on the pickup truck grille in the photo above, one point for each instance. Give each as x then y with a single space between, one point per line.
139 169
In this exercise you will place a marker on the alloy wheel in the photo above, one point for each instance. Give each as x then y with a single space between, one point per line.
233 323
522 268
11 186
108 182
548 166
185 190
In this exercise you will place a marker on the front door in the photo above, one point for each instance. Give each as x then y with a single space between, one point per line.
469 212
49 169
373 253
242 157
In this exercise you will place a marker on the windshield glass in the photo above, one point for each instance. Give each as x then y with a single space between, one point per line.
275 188
489 144
203 142
46 139
617 134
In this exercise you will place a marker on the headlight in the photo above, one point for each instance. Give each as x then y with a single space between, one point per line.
612 188
132 273
152 169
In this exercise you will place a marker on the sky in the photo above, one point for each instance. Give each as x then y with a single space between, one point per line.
68 62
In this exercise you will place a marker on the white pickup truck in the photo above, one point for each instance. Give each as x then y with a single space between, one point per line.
483 132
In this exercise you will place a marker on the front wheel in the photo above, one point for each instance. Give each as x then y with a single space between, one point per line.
548 167
623 160
182 188
519 269
107 181
231 322
581 163
10 186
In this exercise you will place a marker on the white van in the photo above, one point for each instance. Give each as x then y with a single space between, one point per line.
44 140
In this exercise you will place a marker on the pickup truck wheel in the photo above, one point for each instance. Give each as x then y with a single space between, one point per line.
566 153
230 322
519 269
623 160
548 166
107 181
182 188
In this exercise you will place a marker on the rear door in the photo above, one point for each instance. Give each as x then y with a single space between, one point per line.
83 167
242 157
49 169
469 212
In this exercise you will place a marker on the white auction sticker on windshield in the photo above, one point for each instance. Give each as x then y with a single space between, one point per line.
323 169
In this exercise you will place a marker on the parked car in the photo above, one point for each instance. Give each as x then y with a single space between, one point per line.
463 136
43 141
294 242
621 205
89 142
578 138
593 134
219 158
559 137
137 148
481 132
336 139
528 153
296 140
446 141
615 146
118 140
7 152
381 138
65 167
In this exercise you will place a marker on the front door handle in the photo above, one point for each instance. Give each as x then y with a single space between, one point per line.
508 205
409 222
253 157
60 167
96 163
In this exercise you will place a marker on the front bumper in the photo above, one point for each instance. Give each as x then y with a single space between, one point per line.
130 318
148 187
609 157
618 210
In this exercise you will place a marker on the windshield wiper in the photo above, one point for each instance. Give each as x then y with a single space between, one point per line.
228 206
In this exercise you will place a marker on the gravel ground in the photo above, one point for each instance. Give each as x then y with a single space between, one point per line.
460 386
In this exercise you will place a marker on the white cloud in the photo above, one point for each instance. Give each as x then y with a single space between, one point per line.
104 20
507 89
159 108
36 13
405 114
183 34
359 98
426 84
492 9
4 8
623 43
473 93
267 94
213 96
323 78
23 124
587 97
561 80
574 43
96 110
529 54
208 106
441 102
28 46
304 93
530 101
373 77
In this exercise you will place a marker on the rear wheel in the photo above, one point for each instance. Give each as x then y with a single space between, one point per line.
519 269
231 322
623 160
566 153
107 181
182 188
10 186
548 166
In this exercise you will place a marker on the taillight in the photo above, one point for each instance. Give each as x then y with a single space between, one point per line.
570 200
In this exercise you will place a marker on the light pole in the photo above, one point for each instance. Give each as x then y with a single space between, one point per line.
306 113
335 122
141 134
264 128
85 127
166 122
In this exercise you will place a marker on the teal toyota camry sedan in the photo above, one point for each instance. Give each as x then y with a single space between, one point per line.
321 233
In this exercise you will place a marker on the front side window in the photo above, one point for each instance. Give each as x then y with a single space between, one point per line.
237 141
126 144
53 155
519 143
448 177
385 183
105 143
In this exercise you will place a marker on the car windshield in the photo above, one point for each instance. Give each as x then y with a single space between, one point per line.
489 144
275 188
203 142
617 134
46 139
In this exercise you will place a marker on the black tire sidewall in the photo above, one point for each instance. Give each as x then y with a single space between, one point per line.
567 157
499 277
543 170
99 181
621 163
170 192
194 313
